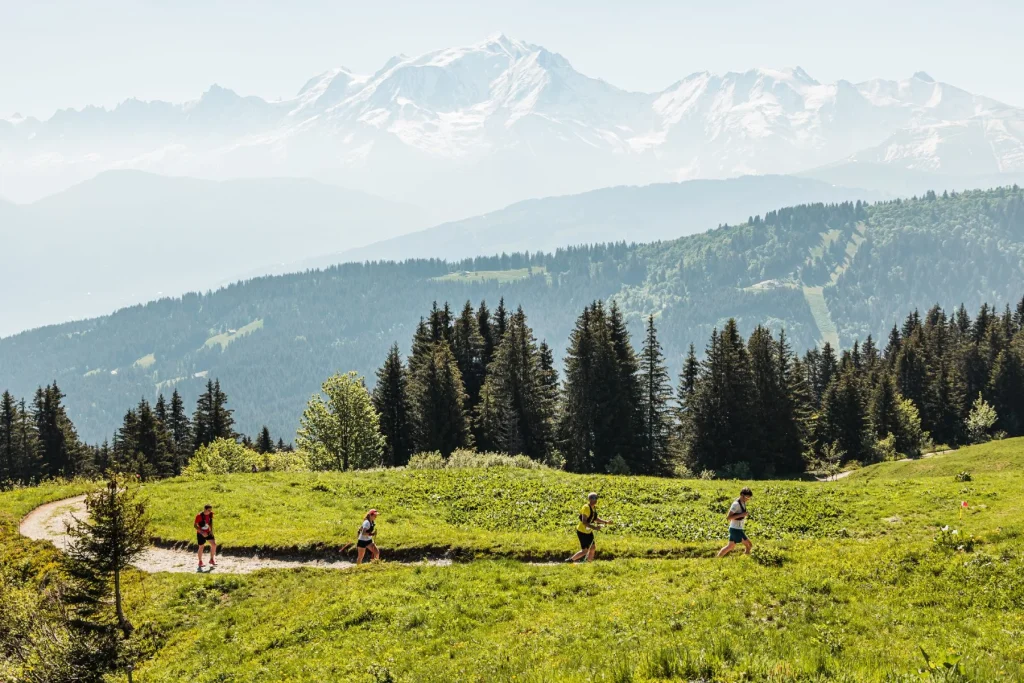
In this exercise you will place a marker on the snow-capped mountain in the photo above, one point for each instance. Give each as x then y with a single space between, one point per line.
467 129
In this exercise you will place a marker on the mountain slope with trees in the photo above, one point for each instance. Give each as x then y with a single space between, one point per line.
820 272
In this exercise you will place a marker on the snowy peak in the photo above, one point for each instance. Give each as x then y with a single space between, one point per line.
504 119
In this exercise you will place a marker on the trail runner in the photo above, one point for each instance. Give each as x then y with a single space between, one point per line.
737 516
204 535
367 530
589 522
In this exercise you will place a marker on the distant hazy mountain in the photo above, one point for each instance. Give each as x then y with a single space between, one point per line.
906 181
471 128
632 214
127 237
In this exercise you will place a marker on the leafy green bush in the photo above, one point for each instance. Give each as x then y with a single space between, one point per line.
432 460
226 456
462 458
963 476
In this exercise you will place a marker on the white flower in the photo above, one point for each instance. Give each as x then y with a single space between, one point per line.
945 528
955 532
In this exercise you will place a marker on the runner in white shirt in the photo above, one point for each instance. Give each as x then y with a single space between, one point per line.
367 530
737 516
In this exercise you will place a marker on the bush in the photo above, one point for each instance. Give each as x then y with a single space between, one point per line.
618 465
432 460
463 458
885 449
981 420
963 476
225 456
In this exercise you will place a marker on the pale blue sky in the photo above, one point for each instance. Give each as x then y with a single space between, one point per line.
58 53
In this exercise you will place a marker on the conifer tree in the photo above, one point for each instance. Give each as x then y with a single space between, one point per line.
655 404
30 466
438 402
500 322
264 444
391 400
468 347
579 427
182 439
9 474
721 420
779 410
61 452
624 412
515 414
843 419
486 331
1006 392
212 419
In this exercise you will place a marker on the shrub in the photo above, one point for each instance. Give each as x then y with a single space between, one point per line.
618 465
226 456
963 476
707 475
885 449
432 460
981 420
463 458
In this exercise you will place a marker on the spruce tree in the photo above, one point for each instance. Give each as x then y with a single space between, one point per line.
391 400
438 402
721 419
655 445
468 347
843 419
212 419
500 322
486 331
30 465
1006 392
264 444
883 408
9 474
578 425
515 414
61 452
624 411
182 439
779 406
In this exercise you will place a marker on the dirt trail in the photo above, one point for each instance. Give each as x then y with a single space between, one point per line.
47 523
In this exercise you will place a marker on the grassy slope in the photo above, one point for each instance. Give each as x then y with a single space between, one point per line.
529 514
850 609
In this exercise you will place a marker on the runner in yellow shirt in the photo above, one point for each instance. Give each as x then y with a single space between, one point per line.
585 529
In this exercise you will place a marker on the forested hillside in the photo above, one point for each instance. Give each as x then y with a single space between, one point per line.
830 273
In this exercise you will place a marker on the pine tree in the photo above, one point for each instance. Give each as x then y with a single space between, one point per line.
30 465
264 444
655 404
142 445
624 412
468 347
721 422
182 439
500 322
212 419
883 408
1006 392
579 425
779 411
9 474
515 414
391 400
486 331
61 451
438 402
843 419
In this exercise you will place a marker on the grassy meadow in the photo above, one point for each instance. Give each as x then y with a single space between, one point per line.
849 582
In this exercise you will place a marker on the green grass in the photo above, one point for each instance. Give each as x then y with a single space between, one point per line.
501 276
822 318
145 362
224 339
846 584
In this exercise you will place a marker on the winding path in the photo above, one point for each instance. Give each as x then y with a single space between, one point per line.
48 523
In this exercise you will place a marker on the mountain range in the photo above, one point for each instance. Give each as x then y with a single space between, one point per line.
127 237
473 128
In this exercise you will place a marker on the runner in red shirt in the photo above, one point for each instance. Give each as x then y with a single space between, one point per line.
204 535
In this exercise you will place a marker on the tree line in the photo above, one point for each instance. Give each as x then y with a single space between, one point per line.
38 440
480 379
